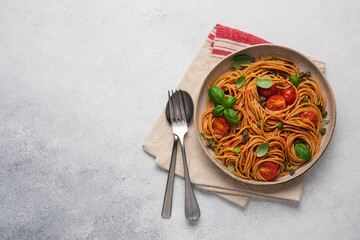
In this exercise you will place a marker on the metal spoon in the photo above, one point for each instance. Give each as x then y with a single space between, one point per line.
189 111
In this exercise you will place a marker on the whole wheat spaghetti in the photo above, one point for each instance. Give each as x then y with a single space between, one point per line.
266 120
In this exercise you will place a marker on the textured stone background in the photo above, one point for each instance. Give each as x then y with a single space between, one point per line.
82 83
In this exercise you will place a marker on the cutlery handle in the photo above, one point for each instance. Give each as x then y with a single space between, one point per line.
167 204
192 210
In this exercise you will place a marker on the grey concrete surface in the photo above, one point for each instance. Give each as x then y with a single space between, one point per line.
82 83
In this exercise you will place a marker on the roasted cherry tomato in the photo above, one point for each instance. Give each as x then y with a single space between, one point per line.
268 92
268 170
289 95
310 115
220 126
276 103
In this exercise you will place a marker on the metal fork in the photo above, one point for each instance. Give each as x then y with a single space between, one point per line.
179 128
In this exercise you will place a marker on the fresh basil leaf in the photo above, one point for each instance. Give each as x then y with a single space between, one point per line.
259 123
203 136
237 150
302 151
240 81
231 116
216 94
264 82
262 149
305 100
229 102
294 80
231 168
218 110
280 126
325 121
238 61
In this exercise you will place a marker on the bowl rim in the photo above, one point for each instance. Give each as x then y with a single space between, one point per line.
281 179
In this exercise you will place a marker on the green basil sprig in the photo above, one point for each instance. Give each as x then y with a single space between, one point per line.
305 100
240 81
302 151
231 116
218 110
231 168
229 102
264 82
262 149
216 95
239 60
259 123
294 80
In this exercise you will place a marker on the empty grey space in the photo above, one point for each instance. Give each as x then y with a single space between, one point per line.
83 82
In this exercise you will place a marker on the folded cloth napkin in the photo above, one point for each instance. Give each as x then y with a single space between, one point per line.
221 42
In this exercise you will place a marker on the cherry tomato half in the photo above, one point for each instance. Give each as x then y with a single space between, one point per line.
289 95
220 126
276 103
310 115
268 170
268 92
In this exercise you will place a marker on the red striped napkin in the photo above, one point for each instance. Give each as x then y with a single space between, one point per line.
224 41
221 42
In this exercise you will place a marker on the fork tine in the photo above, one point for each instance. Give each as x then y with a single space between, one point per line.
171 107
182 106
176 106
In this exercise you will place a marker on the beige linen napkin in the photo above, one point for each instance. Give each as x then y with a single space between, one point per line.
203 173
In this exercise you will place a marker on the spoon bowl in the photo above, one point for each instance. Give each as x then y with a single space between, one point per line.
189 106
